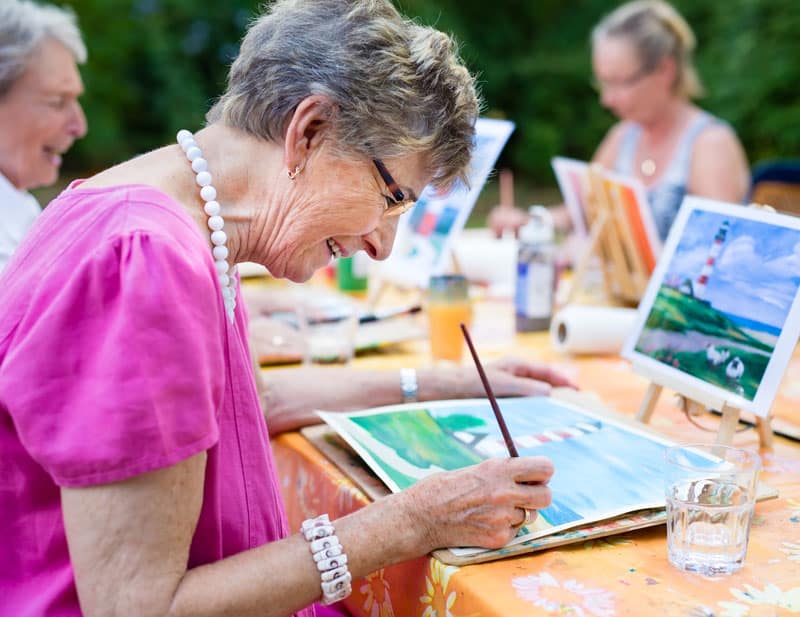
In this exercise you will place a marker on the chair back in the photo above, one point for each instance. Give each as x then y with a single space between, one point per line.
777 183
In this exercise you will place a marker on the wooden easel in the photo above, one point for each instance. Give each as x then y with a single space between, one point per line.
625 274
728 422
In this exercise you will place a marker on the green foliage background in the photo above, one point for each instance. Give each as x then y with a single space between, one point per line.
156 65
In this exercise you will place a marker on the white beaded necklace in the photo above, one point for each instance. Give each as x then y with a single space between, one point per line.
226 274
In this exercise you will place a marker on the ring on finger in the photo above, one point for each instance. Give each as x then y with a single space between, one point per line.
526 518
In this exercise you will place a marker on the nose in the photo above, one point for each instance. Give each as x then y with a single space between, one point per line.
77 125
378 243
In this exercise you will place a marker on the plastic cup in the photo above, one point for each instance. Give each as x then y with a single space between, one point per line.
711 493
351 272
448 307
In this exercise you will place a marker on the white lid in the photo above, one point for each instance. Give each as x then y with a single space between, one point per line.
539 228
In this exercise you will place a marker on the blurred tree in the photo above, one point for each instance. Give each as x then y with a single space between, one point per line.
156 65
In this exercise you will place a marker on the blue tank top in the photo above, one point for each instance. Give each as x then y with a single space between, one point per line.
667 194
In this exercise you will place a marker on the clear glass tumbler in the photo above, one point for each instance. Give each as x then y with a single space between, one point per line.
711 493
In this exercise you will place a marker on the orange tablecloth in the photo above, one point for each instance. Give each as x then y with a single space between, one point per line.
620 575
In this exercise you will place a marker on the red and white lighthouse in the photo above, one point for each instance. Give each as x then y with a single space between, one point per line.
708 267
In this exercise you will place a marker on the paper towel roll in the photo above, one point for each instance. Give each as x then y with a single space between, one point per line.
591 329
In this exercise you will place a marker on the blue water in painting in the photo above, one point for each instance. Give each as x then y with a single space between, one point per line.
752 324
612 468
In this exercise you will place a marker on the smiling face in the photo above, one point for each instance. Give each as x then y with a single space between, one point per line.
341 208
40 117
627 88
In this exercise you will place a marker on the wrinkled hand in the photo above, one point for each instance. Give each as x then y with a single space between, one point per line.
512 376
479 505
506 217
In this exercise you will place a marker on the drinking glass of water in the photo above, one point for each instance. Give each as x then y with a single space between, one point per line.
711 493
331 324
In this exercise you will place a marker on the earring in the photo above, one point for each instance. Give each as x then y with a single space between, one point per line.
293 173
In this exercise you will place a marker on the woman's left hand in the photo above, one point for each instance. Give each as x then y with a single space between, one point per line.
513 376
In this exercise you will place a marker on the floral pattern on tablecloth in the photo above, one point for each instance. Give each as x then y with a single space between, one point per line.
568 597
437 599
792 549
752 601
377 600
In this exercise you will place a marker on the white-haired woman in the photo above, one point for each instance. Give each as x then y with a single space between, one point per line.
642 57
40 115
137 474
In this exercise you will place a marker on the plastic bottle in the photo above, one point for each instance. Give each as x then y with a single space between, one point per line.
536 272
351 272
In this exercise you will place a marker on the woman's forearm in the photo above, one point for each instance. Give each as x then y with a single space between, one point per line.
129 543
290 396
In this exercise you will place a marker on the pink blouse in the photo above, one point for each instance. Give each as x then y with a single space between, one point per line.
116 358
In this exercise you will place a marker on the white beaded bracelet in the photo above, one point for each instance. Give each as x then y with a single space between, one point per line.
330 558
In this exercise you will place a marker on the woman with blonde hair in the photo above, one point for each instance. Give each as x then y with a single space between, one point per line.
137 472
642 58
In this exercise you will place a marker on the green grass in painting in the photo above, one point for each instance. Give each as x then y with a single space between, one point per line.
678 312
696 364
415 436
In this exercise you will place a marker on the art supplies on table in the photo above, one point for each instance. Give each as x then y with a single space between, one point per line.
390 326
609 472
279 333
612 215
580 329
536 272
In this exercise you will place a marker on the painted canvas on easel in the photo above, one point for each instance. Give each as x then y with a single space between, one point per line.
604 468
719 319
426 234
629 194
573 182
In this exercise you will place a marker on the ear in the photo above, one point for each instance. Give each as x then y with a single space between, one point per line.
308 128
668 70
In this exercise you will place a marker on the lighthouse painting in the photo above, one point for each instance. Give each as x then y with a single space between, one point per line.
605 468
721 308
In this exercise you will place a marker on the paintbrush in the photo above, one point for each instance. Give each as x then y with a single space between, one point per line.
512 449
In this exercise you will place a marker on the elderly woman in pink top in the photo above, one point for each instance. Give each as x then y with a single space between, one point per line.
137 477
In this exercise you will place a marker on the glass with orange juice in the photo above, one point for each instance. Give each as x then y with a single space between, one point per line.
448 307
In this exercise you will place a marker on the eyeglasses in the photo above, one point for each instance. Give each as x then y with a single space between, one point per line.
621 84
398 202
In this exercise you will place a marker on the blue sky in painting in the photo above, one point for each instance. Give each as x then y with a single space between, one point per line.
608 470
756 274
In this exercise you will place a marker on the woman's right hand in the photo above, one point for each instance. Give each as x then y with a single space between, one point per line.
503 217
482 505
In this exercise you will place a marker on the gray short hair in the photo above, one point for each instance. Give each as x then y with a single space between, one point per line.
23 27
398 87
657 31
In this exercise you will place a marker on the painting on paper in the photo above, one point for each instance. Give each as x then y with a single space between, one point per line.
604 468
